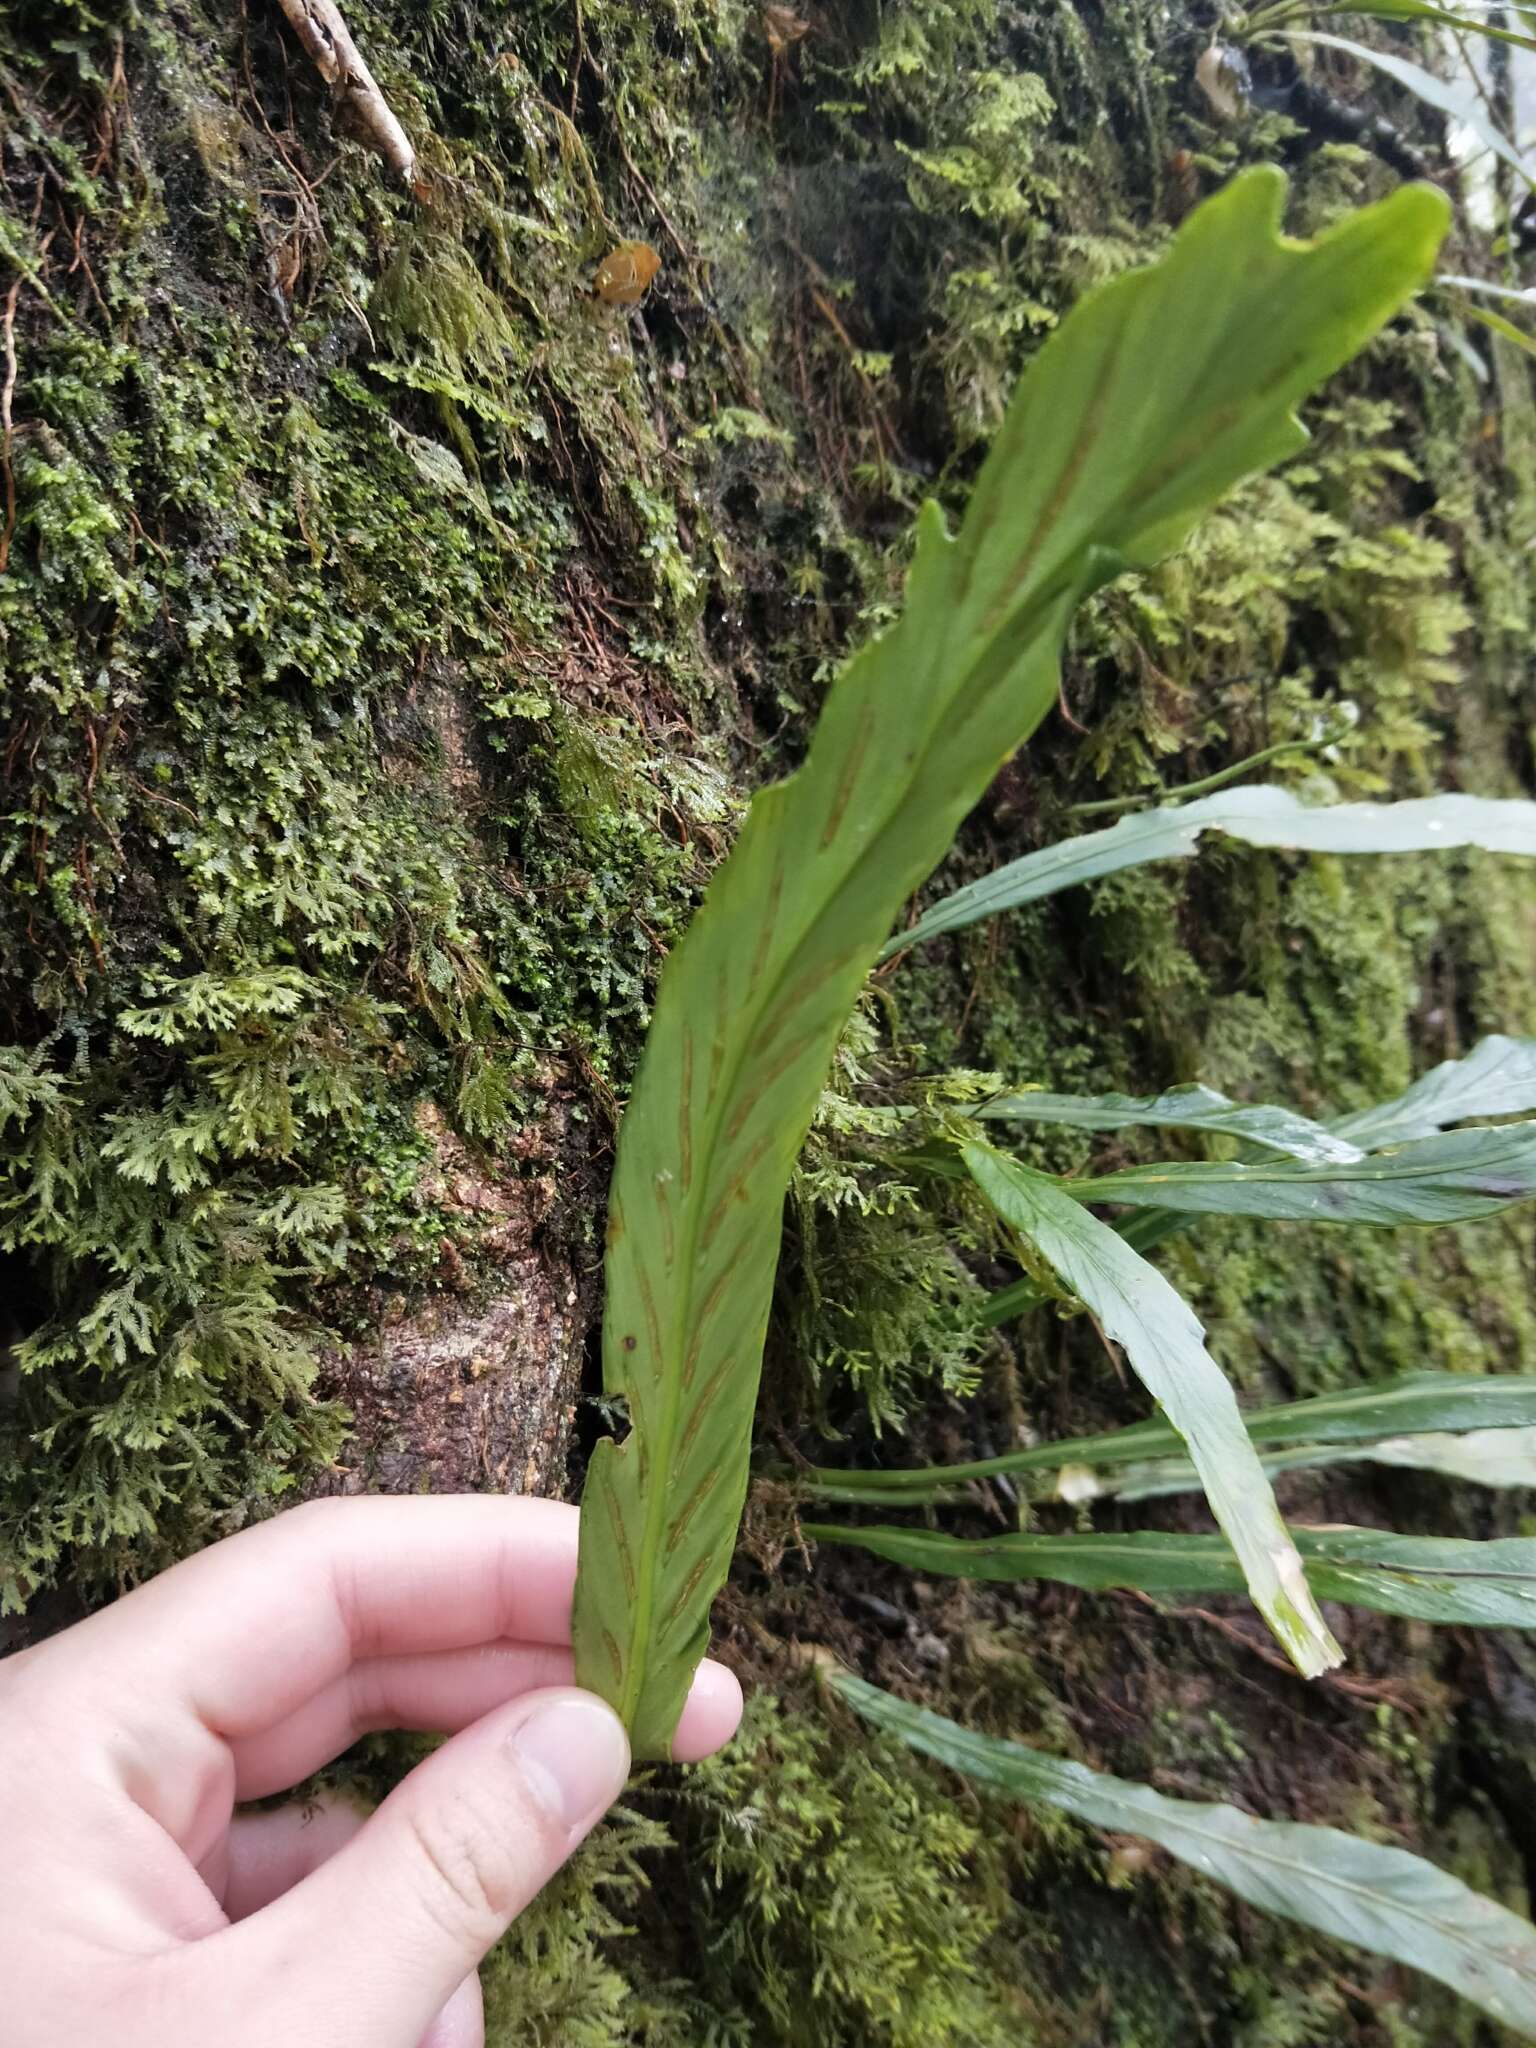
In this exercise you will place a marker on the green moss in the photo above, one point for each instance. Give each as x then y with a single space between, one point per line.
302 835
559 1981
823 1890
841 1897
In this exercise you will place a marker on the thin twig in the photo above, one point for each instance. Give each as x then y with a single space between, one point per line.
360 105
1065 709
650 192
885 439
7 431
821 288
34 277
83 262
1368 1692
1103 804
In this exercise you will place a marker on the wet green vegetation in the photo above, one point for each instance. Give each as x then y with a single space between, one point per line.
390 635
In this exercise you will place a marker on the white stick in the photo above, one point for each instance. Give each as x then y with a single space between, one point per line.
360 106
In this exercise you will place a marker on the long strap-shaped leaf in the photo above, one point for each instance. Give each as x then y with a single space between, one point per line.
1496 1457
1160 391
1260 815
1385 1900
1448 1178
1438 93
1465 21
1425 1578
1408 1405
1191 1108
1165 1345
1497 1078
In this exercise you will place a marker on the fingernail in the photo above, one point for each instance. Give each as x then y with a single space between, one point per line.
576 1755
715 1685
711 1716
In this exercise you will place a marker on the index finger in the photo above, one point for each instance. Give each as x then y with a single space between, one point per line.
249 1629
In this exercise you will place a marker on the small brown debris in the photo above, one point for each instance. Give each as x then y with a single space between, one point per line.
784 28
1182 186
1222 75
625 273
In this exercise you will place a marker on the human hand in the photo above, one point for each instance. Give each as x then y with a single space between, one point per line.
137 1908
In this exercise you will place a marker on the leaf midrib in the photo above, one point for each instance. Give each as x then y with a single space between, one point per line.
1014 621
1260 1853
1384 1166
1097 1451
989 1773
1196 1548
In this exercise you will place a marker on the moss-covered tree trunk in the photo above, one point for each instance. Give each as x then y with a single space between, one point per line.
394 616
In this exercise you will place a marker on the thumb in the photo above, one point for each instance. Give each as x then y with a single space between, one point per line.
372 1945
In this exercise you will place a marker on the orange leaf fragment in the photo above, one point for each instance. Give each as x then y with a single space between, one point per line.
625 272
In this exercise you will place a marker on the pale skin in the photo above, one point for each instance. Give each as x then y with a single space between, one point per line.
139 1907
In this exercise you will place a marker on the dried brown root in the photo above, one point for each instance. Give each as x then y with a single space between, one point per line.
361 109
